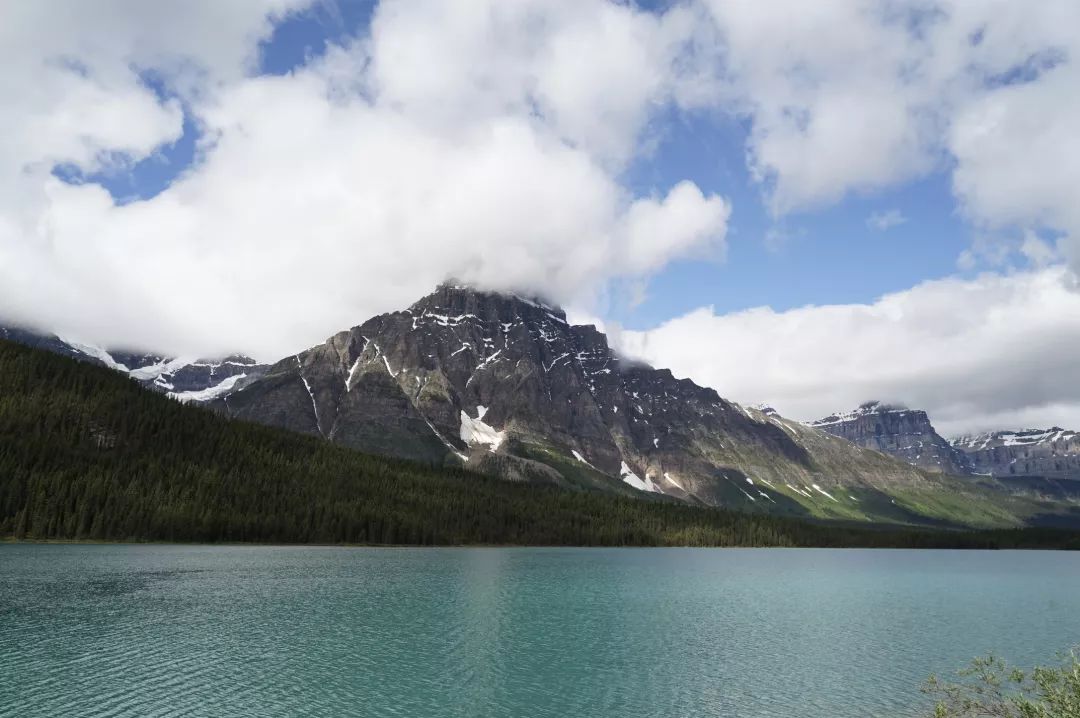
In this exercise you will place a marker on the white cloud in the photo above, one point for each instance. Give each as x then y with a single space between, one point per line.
1038 251
593 71
829 90
853 96
681 222
992 352
1018 156
882 221
470 143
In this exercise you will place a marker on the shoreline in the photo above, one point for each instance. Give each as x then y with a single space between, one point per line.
6 541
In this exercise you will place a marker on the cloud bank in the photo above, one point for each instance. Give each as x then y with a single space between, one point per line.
993 352
471 144
853 96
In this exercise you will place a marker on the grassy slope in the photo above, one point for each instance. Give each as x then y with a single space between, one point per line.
888 491
941 501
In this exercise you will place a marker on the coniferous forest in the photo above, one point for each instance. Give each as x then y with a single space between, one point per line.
86 454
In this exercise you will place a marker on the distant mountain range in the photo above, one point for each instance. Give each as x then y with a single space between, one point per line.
898 431
504 385
186 379
1051 453
1043 462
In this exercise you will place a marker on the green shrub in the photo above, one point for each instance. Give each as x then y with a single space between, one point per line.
990 688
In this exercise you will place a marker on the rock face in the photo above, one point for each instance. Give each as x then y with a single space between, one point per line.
506 385
1049 453
182 378
898 431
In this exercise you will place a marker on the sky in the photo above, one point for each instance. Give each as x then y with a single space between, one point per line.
809 205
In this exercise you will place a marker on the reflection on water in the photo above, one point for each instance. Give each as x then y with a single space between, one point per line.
275 631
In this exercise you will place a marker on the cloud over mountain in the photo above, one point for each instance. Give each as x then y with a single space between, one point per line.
991 352
470 144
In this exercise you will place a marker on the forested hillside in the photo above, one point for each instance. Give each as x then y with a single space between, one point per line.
86 453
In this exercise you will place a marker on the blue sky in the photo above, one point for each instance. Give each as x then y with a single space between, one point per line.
257 176
823 256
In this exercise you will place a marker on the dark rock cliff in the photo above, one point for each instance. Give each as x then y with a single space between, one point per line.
898 431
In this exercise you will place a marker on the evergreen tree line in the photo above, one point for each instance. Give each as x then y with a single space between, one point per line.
86 453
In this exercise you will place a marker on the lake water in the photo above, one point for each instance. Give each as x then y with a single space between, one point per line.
280 631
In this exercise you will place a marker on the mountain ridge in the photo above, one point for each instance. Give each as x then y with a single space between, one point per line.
898 431
1052 453
183 378
505 385
92 456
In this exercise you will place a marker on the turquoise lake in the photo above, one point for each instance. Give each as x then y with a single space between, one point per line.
90 630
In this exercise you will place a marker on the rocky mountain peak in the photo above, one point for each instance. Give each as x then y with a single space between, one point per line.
867 408
503 383
461 300
899 431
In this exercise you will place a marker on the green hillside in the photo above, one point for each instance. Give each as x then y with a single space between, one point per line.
86 454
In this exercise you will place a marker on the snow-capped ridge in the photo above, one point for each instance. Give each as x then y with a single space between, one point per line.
1018 437
865 409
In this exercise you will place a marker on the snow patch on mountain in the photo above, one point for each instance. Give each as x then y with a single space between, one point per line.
156 370
628 476
580 458
213 392
94 352
352 374
475 431
314 405
822 491
671 480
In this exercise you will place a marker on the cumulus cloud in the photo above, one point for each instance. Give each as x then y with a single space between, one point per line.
469 142
852 96
829 88
1038 251
888 219
593 71
992 352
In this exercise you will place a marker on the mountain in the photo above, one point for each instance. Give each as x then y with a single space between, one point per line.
182 378
1038 464
898 431
90 455
504 385
1049 453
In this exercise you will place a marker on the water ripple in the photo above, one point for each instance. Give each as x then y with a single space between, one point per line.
169 631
